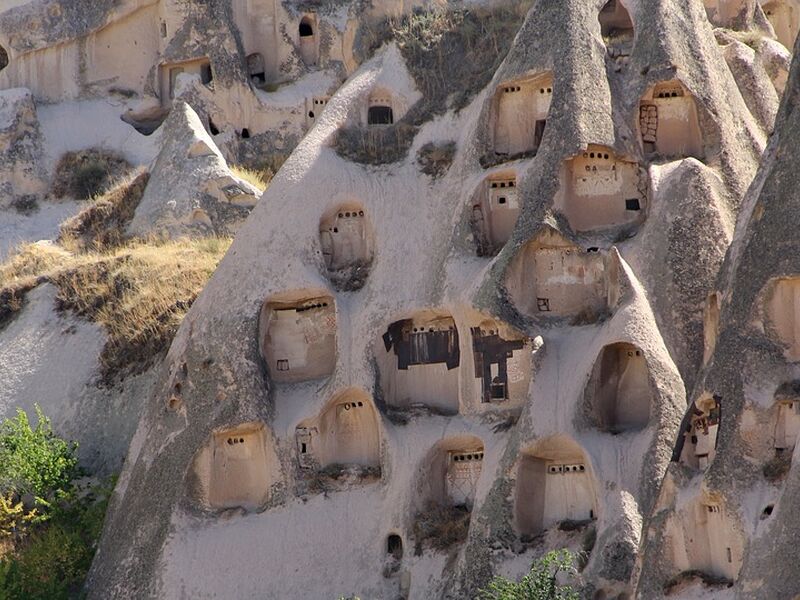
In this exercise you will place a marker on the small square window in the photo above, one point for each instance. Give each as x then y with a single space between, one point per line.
543 304
632 204
501 200
283 365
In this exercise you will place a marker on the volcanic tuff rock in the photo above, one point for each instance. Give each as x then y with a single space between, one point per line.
21 174
191 188
230 374
402 380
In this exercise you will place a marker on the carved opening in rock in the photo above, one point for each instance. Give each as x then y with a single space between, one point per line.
3 58
495 210
255 68
783 314
618 392
787 416
394 546
346 237
551 277
502 360
233 470
554 484
345 433
245 134
668 122
616 26
710 325
318 104
169 75
419 362
697 442
784 16
451 472
704 537
308 41
600 189
297 337
520 109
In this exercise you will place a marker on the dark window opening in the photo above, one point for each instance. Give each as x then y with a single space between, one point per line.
394 546
305 28
768 510
206 76
283 365
311 114
213 129
543 304
380 115
632 204
303 448
539 132
245 134
501 200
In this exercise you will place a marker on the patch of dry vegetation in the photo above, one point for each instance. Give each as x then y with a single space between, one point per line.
441 527
435 158
451 54
138 292
87 173
101 225
258 179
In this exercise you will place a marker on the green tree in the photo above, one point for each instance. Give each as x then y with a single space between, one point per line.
541 583
33 460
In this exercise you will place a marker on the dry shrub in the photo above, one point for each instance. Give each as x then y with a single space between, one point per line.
87 173
434 159
440 527
101 226
139 292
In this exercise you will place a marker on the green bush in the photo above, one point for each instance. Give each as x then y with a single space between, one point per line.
51 565
33 460
541 583
51 540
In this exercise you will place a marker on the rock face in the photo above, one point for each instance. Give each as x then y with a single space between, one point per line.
39 365
191 190
726 508
517 352
22 179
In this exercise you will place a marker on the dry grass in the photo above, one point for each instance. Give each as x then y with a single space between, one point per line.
138 292
87 173
101 226
257 179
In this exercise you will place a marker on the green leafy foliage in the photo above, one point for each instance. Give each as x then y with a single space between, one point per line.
51 525
51 565
541 583
33 460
